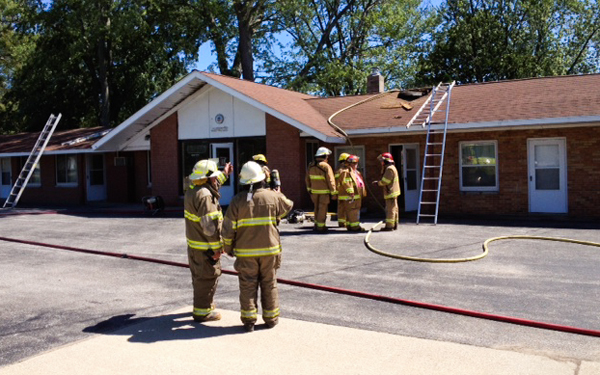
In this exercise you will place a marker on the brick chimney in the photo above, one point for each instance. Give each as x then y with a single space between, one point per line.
375 82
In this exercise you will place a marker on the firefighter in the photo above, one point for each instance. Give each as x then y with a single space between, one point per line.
320 183
203 219
250 234
355 190
391 190
341 208
262 161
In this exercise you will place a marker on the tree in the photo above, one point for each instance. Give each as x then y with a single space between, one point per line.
336 43
98 61
237 29
483 40
17 41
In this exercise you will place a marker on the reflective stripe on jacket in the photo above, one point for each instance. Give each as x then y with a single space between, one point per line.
348 186
390 182
320 179
250 227
203 218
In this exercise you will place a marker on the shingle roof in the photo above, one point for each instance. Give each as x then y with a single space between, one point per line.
61 141
561 97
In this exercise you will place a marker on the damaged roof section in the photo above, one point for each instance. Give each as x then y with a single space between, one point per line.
61 141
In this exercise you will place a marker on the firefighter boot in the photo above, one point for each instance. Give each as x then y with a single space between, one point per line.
213 315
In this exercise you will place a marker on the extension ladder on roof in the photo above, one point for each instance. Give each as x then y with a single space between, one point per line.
32 160
433 159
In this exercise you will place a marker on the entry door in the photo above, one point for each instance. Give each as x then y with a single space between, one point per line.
224 153
5 177
410 174
547 175
96 186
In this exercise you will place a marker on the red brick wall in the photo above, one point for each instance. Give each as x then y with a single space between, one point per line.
583 170
49 194
165 160
283 149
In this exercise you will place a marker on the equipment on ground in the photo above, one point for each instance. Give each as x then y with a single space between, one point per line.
153 204
32 161
296 216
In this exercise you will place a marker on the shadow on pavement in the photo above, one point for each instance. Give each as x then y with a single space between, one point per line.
162 328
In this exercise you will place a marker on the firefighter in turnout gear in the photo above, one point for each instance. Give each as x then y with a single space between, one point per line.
261 160
342 168
203 220
391 190
352 192
250 234
320 183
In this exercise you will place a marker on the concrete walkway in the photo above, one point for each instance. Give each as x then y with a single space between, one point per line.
174 344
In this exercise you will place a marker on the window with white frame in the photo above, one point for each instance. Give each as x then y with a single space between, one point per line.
149 166
352 150
478 166
66 170
36 177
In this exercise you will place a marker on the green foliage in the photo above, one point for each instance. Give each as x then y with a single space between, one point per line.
485 40
336 43
93 56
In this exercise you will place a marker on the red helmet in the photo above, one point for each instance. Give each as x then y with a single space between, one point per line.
386 156
352 159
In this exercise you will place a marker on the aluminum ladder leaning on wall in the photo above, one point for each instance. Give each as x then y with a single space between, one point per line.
433 159
32 160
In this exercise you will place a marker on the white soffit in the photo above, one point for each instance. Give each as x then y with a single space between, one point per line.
152 111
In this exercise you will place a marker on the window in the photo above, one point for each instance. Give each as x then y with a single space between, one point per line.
478 166
66 170
149 166
311 150
5 178
36 178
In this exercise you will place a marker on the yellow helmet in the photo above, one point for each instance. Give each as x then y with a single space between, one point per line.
251 173
204 169
260 157
343 156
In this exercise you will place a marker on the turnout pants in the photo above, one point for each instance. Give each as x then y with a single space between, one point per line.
321 202
353 215
342 213
205 277
255 273
391 213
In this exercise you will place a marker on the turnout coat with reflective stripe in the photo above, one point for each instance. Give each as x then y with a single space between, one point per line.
320 179
348 187
250 228
203 218
390 182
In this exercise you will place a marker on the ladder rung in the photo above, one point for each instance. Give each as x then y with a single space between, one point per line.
428 190
427 215
428 203
431 178
435 144
433 154
432 166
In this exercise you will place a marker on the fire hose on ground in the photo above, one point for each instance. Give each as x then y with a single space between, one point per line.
358 294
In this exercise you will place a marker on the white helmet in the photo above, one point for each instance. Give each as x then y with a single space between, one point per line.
323 151
251 173
205 169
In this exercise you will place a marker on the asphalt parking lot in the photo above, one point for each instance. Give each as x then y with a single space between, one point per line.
51 297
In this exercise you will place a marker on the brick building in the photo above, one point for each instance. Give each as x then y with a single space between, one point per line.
515 147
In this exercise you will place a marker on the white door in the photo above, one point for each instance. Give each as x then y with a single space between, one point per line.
96 186
547 175
224 153
5 177
410 174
